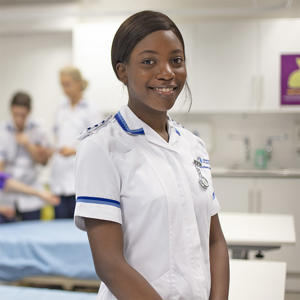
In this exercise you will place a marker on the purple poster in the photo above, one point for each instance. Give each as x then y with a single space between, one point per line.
290 79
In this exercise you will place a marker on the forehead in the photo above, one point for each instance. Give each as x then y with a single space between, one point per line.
159 41
19 109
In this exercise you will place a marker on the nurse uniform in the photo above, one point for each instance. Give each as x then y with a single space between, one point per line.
21 166
70 122
127 173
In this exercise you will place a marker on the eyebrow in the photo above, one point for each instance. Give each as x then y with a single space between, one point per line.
154 52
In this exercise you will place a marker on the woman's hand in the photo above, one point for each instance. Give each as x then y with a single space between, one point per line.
8 212
49 197
67 151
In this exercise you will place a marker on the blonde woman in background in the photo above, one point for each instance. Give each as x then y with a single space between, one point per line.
73 116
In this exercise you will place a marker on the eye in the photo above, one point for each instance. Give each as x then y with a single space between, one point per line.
178 60
148 61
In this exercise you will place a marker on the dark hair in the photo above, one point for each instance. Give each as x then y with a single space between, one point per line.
136 28
21 99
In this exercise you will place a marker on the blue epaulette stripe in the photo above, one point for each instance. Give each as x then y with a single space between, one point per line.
125 127
98 200
177 132
205 167
214 196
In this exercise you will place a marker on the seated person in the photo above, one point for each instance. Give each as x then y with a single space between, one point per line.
23 146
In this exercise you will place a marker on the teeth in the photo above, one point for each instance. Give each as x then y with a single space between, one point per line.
165 90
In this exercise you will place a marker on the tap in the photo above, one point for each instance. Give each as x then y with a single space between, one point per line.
247 144
269 144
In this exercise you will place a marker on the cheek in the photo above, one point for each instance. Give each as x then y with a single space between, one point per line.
137 82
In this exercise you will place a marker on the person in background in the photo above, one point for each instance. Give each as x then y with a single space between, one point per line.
73 116
23 146
8 184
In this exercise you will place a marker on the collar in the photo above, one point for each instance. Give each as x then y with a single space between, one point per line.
134 126
82 103
29 125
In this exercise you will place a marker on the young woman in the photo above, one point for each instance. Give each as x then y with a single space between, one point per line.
73 116
23 146
143 183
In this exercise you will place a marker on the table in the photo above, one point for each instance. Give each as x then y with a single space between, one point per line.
261 232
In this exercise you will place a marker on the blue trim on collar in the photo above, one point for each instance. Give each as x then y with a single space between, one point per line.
125 127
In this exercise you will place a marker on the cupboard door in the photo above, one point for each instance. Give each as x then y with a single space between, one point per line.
281 196
234 194
225 66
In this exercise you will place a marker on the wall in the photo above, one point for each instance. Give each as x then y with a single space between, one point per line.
30 62
224 134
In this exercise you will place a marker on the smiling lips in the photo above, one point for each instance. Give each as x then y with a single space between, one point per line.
164 90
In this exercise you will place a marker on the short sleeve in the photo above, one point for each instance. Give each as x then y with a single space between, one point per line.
97 184
214 205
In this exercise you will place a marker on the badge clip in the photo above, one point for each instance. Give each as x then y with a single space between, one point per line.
202 180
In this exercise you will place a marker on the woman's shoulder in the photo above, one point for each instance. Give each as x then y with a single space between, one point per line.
102 135
188 135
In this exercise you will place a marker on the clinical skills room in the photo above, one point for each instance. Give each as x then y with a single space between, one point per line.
150 149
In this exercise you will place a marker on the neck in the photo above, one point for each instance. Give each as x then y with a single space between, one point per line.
157 120
75 99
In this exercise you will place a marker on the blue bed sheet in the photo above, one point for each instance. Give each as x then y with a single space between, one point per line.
34 248
21 293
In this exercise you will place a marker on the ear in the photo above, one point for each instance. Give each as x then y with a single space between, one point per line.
122 72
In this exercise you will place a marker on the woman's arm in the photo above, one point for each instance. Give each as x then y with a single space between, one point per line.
219 261
106 241
38 153
12 185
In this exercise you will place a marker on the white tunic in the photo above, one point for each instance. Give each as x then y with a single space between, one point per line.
19 163
127 173
70 122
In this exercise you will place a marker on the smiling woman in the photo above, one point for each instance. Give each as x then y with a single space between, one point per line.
153 227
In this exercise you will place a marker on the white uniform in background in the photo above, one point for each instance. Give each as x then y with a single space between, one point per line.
19 163
70 122
127 173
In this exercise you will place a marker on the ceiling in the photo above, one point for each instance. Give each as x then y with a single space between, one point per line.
18 14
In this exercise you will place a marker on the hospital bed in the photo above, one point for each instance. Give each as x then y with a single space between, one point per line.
46 252
21 293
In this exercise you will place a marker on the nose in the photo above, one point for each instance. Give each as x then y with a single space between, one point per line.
165 72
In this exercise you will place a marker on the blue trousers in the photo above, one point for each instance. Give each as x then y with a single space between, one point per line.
30 215
3 219
65 210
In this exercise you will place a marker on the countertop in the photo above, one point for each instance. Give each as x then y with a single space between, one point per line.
266 173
